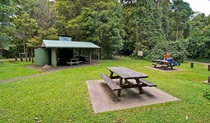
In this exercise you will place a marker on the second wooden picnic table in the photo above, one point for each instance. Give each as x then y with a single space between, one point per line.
163 63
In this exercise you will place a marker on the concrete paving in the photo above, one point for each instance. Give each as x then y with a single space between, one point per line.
164 69
103 99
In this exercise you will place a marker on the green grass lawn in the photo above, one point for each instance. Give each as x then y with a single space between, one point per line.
10 70
63 96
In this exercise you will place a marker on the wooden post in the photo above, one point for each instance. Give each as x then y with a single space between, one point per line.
191 65
179 62
207 81
32 60
90 59
53 57
208 67
21 59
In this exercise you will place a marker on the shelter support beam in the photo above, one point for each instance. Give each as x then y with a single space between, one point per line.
90 59
53 57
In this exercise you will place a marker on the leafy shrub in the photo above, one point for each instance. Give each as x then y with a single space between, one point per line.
177 50
207 93
1 57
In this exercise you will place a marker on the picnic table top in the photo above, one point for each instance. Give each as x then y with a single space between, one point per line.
74 59
160 60
126 73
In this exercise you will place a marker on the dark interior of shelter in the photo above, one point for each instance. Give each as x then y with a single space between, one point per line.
64 56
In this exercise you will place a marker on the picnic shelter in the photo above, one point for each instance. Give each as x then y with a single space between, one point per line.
60 52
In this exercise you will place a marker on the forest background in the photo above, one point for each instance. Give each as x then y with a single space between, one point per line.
125 26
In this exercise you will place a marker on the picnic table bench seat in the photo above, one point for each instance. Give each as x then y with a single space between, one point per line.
161 65
112 85
142 82
147 83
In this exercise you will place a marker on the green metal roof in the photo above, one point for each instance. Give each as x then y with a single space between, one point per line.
67 44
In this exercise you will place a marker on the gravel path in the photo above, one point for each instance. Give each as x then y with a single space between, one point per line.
19 78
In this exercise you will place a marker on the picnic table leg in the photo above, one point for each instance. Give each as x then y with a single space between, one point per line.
155 64
121 81
118 92
171 65
139 86
111 74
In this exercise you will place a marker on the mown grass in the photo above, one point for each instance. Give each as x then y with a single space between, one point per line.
63 96
15 69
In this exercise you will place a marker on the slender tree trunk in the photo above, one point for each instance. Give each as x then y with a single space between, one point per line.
29 54
16 54
1 52
177 33
32 55
24 50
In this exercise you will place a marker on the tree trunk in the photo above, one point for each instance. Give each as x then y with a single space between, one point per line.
32 55
1 52
24 50
177 33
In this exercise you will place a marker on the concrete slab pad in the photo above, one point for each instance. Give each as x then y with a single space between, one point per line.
163 69
206 82
103 99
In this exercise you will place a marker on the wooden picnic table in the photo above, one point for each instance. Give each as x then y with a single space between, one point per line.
163 63
127 74
73 61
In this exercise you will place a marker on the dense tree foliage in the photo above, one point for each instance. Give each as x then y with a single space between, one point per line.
199 38
129 26
100 24
181 13
26 28
148 25
34 22
6 26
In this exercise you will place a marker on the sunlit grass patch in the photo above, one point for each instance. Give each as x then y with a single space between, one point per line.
15 69
62 96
